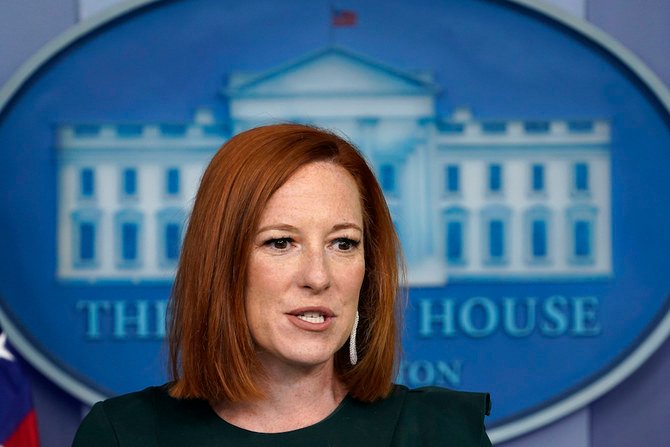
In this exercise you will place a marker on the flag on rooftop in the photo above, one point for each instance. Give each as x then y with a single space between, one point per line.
343 17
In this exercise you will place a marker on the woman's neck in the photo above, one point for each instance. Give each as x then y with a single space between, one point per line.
295 397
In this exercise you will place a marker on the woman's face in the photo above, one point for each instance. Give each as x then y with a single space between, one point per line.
306 268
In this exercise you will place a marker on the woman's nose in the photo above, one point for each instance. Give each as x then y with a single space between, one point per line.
316 274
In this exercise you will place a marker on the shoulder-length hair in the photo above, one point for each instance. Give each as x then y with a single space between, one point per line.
211 351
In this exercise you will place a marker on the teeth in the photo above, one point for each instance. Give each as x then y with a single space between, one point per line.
312 317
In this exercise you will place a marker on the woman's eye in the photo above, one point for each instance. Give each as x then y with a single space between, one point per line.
346 244
279 243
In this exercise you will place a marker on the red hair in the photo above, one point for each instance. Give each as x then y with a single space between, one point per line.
211 351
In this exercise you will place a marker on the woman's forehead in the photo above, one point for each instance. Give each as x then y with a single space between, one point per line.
318 189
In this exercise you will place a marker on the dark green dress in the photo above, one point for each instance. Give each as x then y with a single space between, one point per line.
420 417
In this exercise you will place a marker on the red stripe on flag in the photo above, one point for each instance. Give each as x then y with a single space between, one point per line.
344 17
25 434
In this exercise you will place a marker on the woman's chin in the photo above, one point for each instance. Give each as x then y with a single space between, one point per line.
301 360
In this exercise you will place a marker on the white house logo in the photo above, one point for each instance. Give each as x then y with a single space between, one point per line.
519 186
509 199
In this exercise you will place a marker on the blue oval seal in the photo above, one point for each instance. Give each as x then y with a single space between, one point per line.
522 155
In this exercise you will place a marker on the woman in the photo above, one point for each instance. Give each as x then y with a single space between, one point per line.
285 312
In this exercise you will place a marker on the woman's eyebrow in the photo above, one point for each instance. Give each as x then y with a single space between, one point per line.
280 226
347 226
287 227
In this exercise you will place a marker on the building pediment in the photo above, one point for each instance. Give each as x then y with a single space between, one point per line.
328 72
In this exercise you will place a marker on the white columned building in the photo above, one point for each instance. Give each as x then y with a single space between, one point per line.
471 199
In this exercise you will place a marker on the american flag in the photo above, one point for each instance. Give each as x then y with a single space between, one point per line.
18 425
343 17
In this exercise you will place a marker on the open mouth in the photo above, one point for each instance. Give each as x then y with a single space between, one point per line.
312 317
318 316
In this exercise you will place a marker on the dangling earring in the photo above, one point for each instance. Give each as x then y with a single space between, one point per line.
353 355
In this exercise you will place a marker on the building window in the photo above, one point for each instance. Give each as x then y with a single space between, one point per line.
539 238
454 241
387 176
496 239
87 183
495 178
496 234
537 178
581 178
452 183
170 224
129 232
172 241
129 182
172 181
494 126
128 239
85 223
537 227
537 126
581 226
86 242
455 238
582 242
580 126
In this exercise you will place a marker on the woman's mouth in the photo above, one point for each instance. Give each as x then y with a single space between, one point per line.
312 317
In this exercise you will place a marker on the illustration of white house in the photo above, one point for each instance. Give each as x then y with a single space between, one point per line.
471 199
